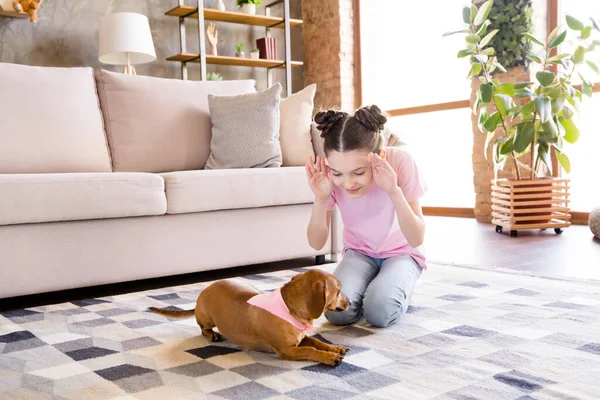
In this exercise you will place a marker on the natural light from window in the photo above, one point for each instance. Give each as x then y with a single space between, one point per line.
405 60
441 142
584 155
406 63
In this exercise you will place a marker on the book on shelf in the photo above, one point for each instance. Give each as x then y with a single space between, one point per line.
267 47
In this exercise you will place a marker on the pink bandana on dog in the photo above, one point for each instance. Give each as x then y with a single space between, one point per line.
273 303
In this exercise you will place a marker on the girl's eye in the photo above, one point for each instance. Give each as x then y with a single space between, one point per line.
337 175
359 173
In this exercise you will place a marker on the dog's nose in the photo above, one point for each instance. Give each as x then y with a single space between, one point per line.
339 309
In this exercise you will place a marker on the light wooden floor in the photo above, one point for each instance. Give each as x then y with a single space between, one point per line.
574 253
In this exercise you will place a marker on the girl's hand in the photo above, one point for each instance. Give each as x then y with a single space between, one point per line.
319 178
383 173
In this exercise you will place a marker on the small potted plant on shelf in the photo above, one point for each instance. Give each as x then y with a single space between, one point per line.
214 76
239 50
254 54
248 6
528 122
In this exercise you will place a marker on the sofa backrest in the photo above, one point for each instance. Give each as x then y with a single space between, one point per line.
159 125
50 121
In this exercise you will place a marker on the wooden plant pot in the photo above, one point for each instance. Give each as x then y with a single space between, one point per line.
530 204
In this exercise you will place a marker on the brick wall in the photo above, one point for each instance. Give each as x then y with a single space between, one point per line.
328 34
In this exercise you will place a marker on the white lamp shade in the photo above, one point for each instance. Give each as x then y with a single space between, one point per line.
124 35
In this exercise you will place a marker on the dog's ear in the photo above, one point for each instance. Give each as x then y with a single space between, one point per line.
317 299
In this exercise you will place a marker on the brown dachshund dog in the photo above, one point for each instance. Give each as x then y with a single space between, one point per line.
224 305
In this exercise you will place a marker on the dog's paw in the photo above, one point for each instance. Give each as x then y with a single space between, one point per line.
342 350
216 337
333 359
338 360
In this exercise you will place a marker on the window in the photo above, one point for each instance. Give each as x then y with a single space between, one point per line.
404 70
401 49
442 145
584 156
582 10
585 192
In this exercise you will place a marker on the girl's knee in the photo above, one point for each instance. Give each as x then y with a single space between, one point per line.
382 319
382 311
340 318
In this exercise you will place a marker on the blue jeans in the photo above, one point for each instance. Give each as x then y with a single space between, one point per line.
379 288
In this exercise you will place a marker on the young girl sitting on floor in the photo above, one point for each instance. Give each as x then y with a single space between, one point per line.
377 192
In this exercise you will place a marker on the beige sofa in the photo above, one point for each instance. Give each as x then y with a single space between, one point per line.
101 181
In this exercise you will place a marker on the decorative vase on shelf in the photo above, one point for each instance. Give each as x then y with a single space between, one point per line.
254 54
249 9
220 5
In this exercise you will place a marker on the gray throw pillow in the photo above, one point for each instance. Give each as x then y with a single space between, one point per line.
245 130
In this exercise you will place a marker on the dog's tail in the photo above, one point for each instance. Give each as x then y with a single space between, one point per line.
172 313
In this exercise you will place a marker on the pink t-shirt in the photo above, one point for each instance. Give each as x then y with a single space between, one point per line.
370 222
273 303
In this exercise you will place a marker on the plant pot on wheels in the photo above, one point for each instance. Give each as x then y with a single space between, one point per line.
530 204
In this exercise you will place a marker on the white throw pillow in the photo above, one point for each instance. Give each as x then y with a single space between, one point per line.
50 121
294 131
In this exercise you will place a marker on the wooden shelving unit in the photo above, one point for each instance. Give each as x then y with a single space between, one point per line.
236 61
230 16
13 14
267 21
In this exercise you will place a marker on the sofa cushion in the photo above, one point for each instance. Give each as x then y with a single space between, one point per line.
294 131
245 130
224 189
157 124
29 198
51 121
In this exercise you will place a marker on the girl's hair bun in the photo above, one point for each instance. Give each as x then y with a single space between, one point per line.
328 119
371 117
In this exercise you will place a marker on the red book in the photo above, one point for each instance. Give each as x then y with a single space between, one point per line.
263 48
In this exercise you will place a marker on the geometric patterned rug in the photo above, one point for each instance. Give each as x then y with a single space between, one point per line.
468 334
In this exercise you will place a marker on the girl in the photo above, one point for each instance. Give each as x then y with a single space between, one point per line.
377 192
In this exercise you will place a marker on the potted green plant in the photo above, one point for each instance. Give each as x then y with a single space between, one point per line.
248 6
239 50
214 76
254 54
526 122
512 18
